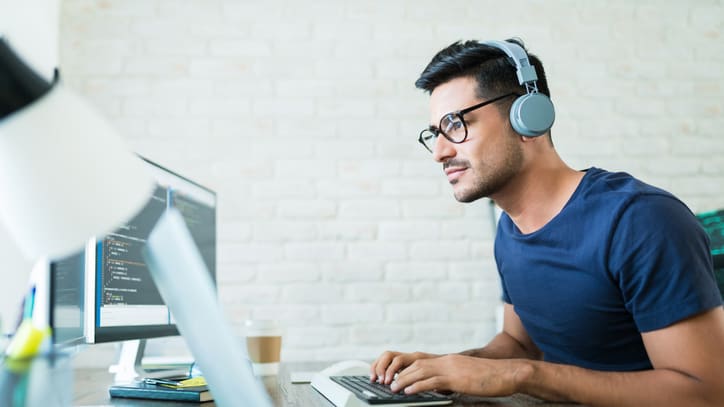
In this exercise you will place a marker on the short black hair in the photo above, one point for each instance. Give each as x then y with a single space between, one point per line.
490 66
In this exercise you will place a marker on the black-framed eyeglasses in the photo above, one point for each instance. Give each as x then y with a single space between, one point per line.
452 125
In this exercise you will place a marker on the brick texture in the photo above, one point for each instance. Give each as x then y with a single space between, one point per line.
304 118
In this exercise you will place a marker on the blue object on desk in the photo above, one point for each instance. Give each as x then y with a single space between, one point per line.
144 390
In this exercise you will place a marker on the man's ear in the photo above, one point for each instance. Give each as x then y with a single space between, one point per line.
535 139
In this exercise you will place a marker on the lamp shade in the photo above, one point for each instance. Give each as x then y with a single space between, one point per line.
65 175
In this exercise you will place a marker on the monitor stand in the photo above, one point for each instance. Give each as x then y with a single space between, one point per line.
130 366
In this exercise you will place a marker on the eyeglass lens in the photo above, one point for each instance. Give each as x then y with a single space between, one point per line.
452 127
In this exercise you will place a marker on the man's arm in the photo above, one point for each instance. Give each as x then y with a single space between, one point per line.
512 343
687 359
688 370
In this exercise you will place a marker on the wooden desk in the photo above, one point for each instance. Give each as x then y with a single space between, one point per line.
91 389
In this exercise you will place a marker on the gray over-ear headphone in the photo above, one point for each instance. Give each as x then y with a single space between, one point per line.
532 114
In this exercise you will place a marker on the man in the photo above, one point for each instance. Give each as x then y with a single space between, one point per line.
609 293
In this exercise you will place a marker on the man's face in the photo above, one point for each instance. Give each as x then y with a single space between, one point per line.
491 155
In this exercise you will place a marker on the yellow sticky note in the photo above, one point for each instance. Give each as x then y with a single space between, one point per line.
192 382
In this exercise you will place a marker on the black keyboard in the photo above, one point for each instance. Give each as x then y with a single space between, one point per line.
376 393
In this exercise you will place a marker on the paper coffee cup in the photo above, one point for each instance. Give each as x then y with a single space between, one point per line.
264 345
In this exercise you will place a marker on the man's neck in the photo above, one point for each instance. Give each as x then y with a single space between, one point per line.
538 194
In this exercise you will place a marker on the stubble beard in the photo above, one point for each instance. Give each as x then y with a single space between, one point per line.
489 179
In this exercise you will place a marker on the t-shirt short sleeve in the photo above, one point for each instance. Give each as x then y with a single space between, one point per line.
659 258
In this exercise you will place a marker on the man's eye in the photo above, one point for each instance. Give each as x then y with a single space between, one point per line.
453 125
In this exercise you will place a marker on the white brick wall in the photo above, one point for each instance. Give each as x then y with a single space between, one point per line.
303 116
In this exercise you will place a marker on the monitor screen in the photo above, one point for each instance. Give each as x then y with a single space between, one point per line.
122 301
67 299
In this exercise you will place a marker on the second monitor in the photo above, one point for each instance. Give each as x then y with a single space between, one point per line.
122 301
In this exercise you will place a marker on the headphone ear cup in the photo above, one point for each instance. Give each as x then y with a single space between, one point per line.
532 115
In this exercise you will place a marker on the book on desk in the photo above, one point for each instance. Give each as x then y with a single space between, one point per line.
142 390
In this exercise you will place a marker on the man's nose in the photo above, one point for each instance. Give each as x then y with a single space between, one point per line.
443 149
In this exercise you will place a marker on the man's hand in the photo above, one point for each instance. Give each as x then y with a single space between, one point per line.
460 374
383 369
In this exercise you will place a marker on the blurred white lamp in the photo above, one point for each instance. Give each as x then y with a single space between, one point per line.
65 174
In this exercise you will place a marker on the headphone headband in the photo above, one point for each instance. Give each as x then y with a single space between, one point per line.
525 71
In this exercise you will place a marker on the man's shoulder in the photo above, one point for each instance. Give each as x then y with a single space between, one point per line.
607 198
617 188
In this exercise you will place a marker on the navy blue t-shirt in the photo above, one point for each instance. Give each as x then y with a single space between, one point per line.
621 258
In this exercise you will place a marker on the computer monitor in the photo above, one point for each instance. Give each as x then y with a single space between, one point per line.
713 223
67 300
122 302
